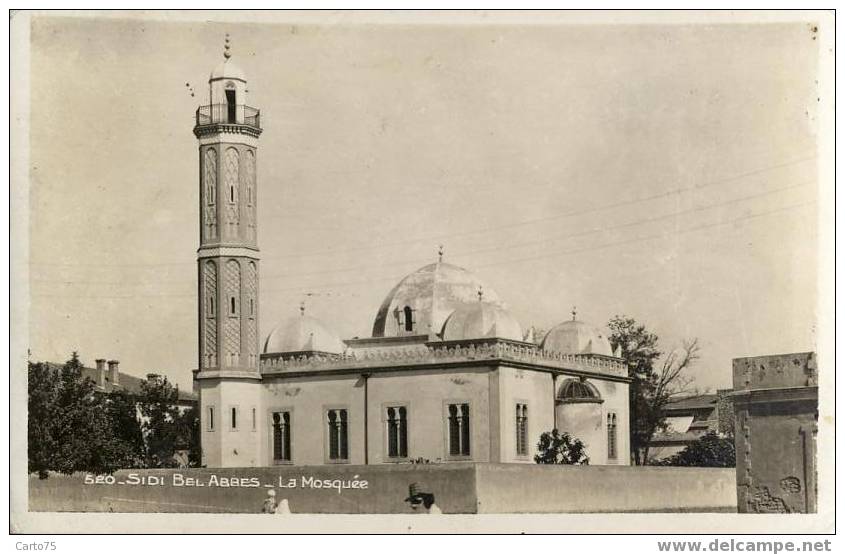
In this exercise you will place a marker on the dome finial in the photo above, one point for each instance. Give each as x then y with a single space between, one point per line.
480 293
574 312
302 308
226 53
440 253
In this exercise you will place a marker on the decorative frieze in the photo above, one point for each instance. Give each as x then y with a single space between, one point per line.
433 354
231 134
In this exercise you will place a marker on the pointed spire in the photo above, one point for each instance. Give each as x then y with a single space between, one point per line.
226 53
440 253
574 312
302 308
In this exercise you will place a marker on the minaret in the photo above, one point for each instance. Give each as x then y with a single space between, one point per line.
227 262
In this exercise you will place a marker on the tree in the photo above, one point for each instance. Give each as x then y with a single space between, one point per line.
711 450
43 390
73 427
560 448
651 389
122 415
188 435
166 429
68 425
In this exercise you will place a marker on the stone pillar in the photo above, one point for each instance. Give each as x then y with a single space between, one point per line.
775 400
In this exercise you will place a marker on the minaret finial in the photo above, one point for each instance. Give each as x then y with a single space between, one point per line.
574 312
480 293
440 253
226 53
302 308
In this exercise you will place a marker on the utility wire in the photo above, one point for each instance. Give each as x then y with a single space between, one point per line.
572 213
504 262
499 248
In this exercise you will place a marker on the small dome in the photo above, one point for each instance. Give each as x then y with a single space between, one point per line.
577 337
302 333
227 70
576 390
421 302
481 320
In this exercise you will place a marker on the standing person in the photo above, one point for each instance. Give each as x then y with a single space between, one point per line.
269 503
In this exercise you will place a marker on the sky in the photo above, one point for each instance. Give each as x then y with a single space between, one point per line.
664 172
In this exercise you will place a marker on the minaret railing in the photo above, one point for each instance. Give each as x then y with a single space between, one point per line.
227 114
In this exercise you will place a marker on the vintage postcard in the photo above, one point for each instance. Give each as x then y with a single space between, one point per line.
515 270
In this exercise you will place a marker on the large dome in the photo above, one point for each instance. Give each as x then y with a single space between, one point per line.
302 333
577 337
481 320
421 302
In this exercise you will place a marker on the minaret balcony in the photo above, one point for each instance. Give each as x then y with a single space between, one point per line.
239 118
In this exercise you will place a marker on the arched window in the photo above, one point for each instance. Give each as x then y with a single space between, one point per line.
409 319
459 433
611 436
338 438
397 432
281 437
521 429
231 103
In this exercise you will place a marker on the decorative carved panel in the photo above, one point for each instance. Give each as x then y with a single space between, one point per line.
251 312
210 308
249 183
210 176
231 318
210 194
231 168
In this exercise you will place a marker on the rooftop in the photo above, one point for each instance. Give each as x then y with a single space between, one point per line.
129 383
696 402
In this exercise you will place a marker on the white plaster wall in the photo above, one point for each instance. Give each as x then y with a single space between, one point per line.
535 389
210 440
588 422
492 395
616 399
584 421
225 446
426 394
308 399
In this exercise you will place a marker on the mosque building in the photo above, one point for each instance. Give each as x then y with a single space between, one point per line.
447 375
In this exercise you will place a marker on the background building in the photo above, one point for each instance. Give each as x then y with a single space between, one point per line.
691 417
108 379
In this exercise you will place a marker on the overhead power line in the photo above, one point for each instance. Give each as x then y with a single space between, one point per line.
443 236
492 264
501 247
